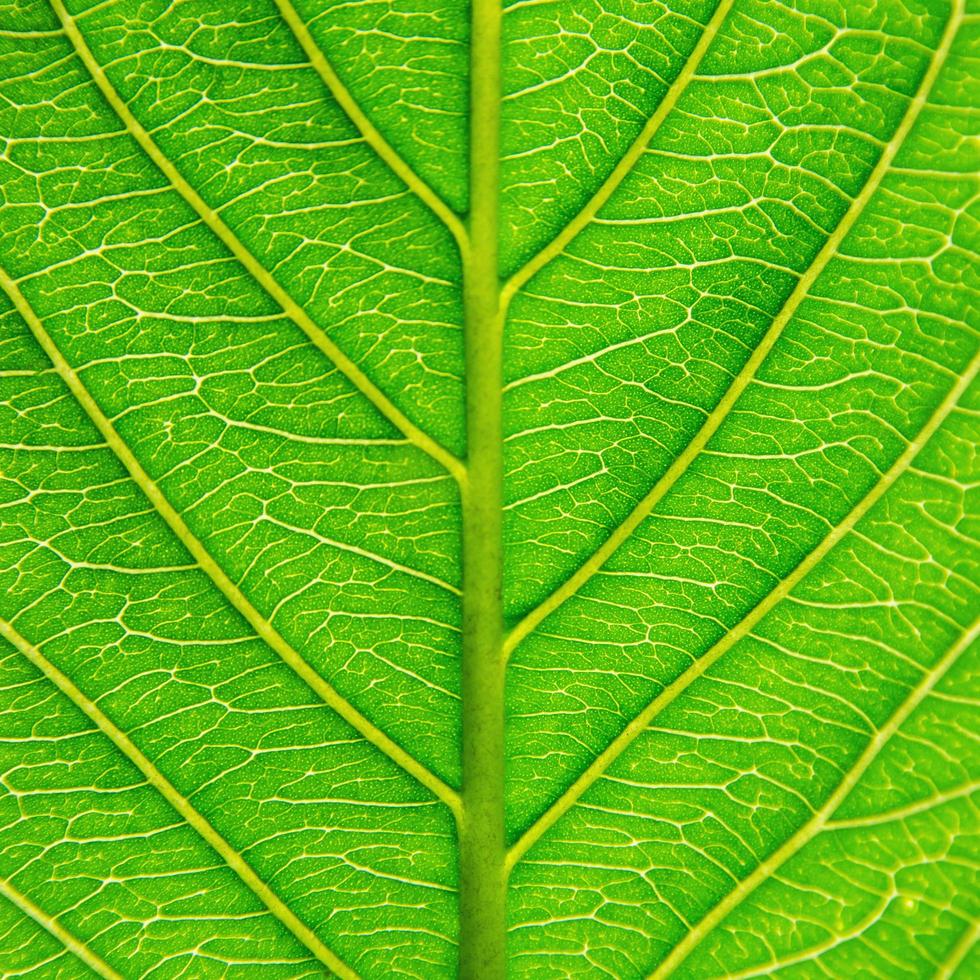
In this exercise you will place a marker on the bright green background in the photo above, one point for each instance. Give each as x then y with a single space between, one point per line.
345 536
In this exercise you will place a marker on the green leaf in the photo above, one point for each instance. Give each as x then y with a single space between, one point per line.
489 491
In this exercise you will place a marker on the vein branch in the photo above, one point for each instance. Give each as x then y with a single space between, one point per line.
344 98
263 628
673 690
262 276
750 369
50 924
180 803
629 160
818 822
960 951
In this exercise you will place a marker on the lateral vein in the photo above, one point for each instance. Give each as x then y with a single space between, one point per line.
746 375
629 160
819 821
959 952
327 693
180 803
50 924
673 690
345 99
262 276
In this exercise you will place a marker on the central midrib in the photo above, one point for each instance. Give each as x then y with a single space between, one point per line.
482 851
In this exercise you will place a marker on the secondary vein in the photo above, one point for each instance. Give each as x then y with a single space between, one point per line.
180 803
818 822
629 160
326 692
745 376
50 924
959 952
262 276
345 99
673 690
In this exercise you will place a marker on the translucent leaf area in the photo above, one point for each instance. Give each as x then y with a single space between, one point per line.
489 490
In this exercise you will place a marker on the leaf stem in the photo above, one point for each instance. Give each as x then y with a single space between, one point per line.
481 826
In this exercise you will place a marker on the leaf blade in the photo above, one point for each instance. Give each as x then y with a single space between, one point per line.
744 627
210 567
236 247
753 363
93 962
181 804
739 515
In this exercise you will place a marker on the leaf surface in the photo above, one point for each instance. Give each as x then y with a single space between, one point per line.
488 490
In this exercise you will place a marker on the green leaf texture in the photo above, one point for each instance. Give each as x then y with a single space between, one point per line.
489 490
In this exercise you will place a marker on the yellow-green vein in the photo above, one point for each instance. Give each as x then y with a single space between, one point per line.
906 811
482 842
818 822
666 697
629 160
51 925
262 276
327 693
751 367
180 803
959 952
399 166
